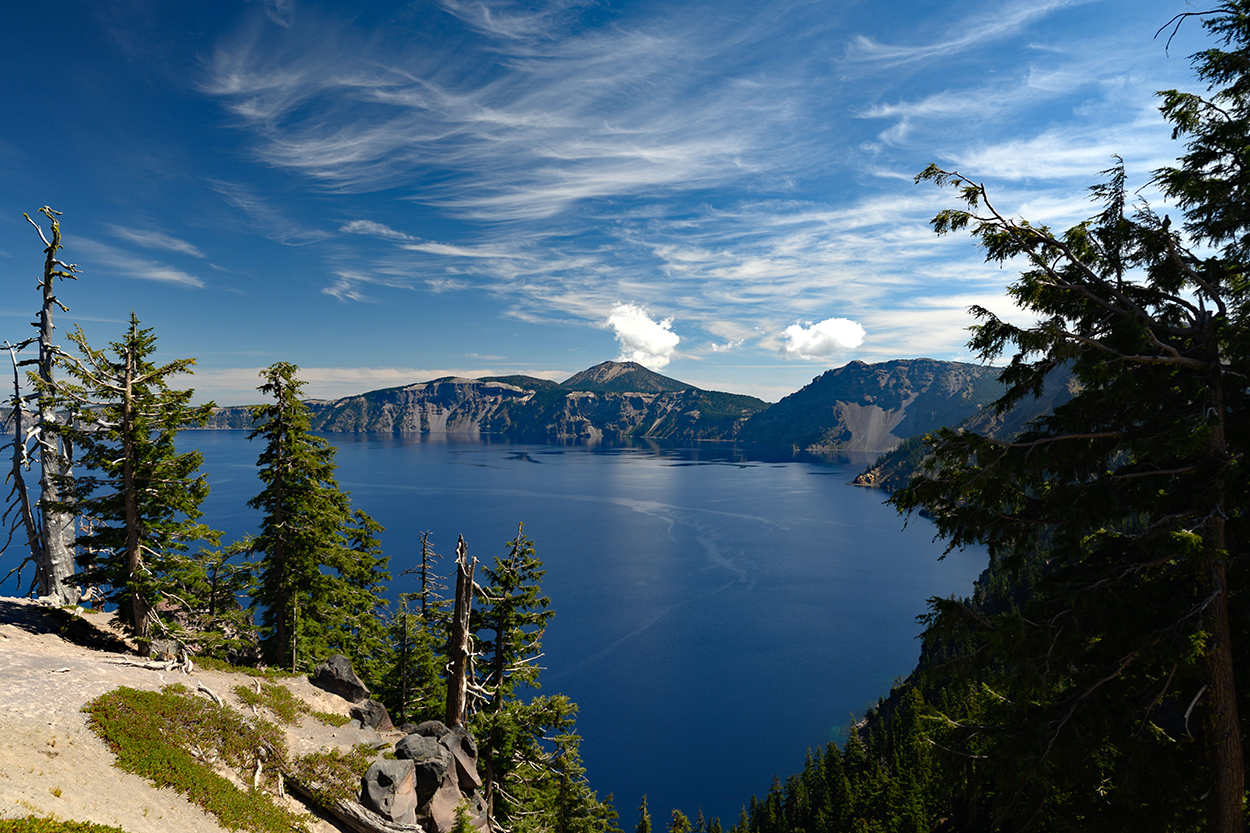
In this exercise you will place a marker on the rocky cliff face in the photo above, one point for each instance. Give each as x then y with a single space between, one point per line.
859 407
587 407
444 406
874 407
896 469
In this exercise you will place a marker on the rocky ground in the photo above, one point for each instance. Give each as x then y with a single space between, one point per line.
51 764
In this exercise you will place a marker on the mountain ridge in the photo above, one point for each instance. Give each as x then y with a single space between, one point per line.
856 407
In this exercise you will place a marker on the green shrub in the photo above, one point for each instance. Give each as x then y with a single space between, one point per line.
154 735
277 698
332 719
332 775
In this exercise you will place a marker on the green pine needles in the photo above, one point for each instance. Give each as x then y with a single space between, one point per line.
141 498
320 566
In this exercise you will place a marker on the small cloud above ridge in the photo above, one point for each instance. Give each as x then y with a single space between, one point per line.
643 340
822 340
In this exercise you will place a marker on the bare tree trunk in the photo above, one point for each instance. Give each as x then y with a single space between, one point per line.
1225 757
458 646
1225 754
140 611
57 539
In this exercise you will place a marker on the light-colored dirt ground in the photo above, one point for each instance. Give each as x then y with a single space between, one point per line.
51 764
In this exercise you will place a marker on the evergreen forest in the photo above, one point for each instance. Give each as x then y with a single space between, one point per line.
1095 678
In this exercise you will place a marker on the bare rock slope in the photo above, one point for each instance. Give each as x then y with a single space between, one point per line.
54 765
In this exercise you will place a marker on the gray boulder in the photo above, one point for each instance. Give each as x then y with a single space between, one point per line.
431 761
373 715
336 676
430 729
389 789
460 744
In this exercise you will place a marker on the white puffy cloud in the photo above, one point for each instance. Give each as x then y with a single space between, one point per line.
644 340
822 340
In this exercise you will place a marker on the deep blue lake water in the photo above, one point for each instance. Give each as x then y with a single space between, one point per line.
716 617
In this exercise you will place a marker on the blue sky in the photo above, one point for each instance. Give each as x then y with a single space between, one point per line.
385 192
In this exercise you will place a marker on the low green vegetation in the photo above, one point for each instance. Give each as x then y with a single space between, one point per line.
39 824
276 697
332 719
215 664
333 775
174 739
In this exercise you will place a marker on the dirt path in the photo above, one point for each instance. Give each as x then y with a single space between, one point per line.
51 764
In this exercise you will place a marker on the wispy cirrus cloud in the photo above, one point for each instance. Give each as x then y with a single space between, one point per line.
152 239
131 266
281 12
558 117
266 219
374 229
985 25
504 21
560 167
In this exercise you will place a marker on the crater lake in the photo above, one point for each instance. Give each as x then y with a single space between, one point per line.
716 616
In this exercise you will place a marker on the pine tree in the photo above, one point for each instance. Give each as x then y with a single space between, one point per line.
207 587
141 495
355 617
414 682
320 570
644 818
514 614
1133 489
415 685
533 772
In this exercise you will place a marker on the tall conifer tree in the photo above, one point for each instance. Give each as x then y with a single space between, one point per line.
140 495
1135 490
320 567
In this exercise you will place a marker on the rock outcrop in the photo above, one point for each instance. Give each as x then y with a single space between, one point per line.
336 676
874 407
434 774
